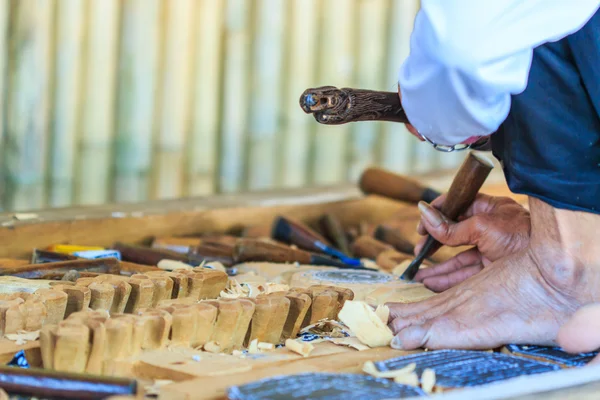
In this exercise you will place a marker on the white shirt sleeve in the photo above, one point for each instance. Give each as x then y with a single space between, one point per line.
468 56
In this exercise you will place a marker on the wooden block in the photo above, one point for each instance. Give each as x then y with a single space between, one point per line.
122 292
323 304
163 287
47 345
55 302
85 281
102 295
118 343
299 306
158 327
11 314
180 282
34 314
181 301
97 346
229 312
343 295
243 324
142 294
72 347
278 319
184 325
206 283
205 324
78 299
139 326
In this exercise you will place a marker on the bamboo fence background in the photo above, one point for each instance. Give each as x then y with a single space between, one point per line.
129 100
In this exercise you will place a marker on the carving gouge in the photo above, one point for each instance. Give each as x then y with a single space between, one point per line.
465 186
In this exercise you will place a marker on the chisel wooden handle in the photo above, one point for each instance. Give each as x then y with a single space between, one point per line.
388 184
332 106
463 190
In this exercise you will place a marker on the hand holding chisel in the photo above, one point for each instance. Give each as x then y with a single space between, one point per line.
465 186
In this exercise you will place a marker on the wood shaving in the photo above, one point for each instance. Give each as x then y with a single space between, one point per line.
350 342
410 379
365 324
370 368
253 347
214 265
383 312
237 353
302 348
272 287
233 290
212 347
22 337
172 265
428 380
327 328
265 346
24 216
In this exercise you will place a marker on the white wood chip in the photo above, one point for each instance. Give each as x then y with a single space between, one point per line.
365 324
302 348
428 380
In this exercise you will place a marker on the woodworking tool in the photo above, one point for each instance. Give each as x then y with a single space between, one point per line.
465 186
394 186
291 232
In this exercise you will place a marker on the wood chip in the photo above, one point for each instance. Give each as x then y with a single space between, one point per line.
428 380
351 341
266 346
383 312
370 368
410 379
365 324
400 268
302 348
253 347
22 337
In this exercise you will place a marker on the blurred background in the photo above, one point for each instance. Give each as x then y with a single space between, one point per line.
132 100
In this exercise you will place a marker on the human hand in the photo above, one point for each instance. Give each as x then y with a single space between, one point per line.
496 226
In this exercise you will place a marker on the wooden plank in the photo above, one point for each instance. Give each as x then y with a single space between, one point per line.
397 142
138 63
98 102
215 387
174 122
66 100
266 93
372 16
337 64
28 89
203 142
235 95
4 14
293 160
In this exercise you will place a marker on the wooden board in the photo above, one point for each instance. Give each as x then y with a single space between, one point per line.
215 387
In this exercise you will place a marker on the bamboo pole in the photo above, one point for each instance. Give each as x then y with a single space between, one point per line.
174 113
265 106
337 64
370 74
301 73
235 95
397 142
4 13
66 100
28 90
138 61
98 102
203 150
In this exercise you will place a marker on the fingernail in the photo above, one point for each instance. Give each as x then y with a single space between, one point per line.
396 343
430 214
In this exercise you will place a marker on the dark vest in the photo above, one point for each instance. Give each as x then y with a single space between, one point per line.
549 145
